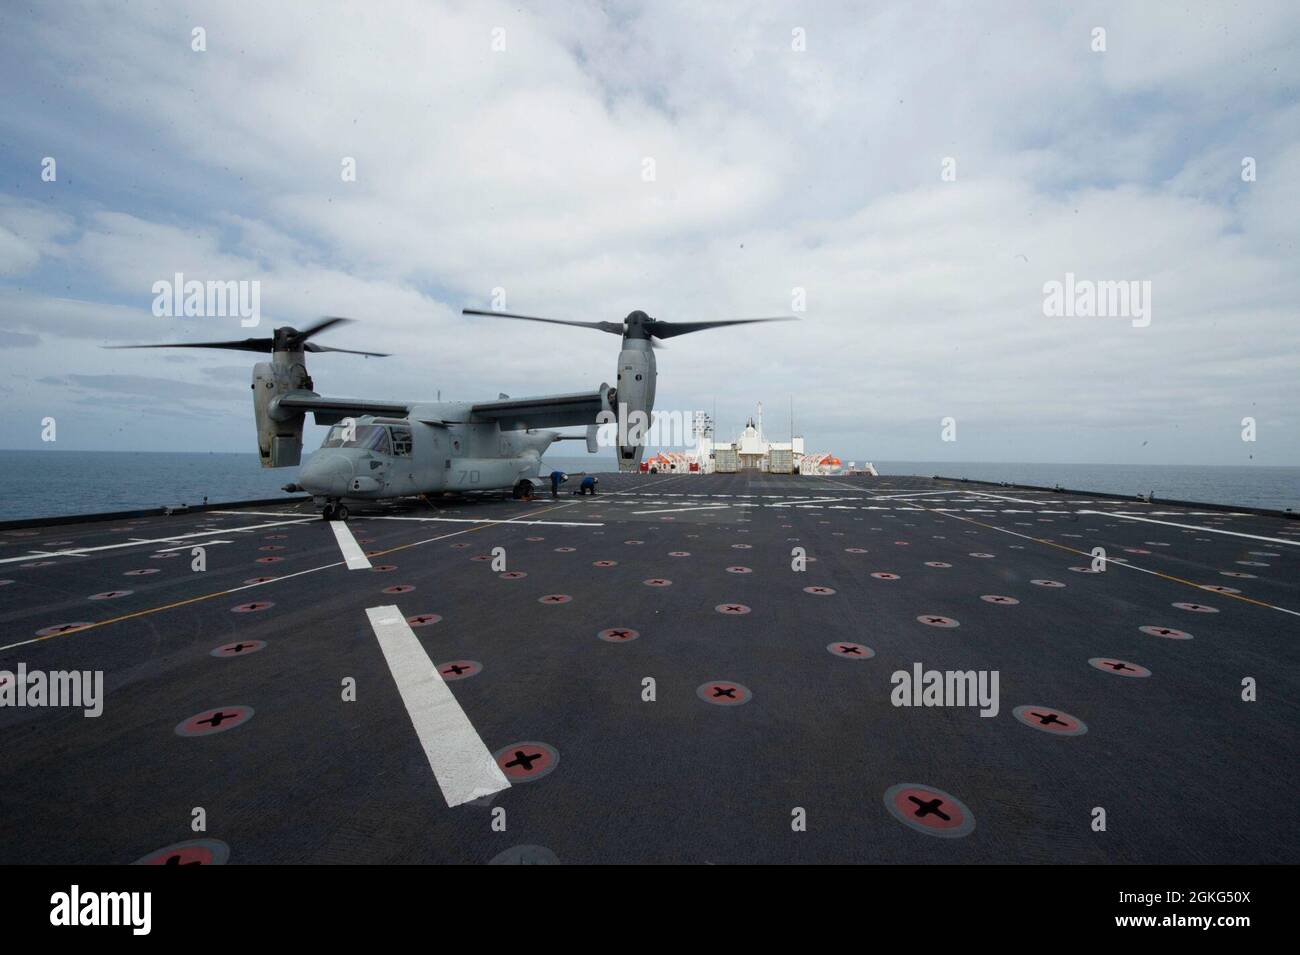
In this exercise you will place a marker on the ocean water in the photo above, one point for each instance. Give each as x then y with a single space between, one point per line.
55 483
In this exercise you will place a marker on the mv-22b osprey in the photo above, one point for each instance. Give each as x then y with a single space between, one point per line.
384 449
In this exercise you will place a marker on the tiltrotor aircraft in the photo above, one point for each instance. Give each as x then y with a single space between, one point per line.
384 449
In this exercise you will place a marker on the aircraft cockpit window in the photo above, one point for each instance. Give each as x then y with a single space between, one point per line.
367 437
401 442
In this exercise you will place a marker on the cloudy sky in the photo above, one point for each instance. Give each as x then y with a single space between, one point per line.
794 147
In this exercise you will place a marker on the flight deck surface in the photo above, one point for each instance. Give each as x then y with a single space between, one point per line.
225 687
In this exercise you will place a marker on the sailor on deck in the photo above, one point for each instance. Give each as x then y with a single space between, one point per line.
557 478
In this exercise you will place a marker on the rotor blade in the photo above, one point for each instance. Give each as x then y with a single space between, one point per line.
313 347
248 344
615 328
327 321
662 329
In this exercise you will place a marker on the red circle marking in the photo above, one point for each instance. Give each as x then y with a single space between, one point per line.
459 545
565 550
737 569
196 852
274 547
679 553
937 563
240 648
732 610
398 589
1194 608
554 599
884 575
855 550
723 693
982 555
999 599
459 669
167 556
59 628
618 635
534 539
1135 550
526 761
1119 667
633 542
934 620
259 580
1084 570
657 582
742 546
1220 589
1169 633
1047 583
423 619
929 810
850 651
604 563
383 568
252 607
269 560
275 537
110 595
512 575
216 720
141 573
481 557
819 591
1240 575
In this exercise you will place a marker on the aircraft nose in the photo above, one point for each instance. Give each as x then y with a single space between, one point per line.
325 475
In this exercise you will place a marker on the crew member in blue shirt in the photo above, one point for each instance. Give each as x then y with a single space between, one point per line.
557 478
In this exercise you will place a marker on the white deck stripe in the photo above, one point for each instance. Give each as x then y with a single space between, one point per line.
679 510
1195 527
464 768
352 553
79 551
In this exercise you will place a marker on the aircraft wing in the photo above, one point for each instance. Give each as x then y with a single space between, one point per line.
333 410
547 411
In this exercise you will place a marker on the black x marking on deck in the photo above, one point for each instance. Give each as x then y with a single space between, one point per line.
216 719
929 807
524 760
729 692
1048 719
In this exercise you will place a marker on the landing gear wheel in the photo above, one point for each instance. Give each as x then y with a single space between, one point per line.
523 491
327 512
341 512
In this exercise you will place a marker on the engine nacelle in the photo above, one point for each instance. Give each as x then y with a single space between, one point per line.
279 438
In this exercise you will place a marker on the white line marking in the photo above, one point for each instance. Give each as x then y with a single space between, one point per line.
484 520
1003 497
464 768
168 550
679 510
353 555
79 551
1195 527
